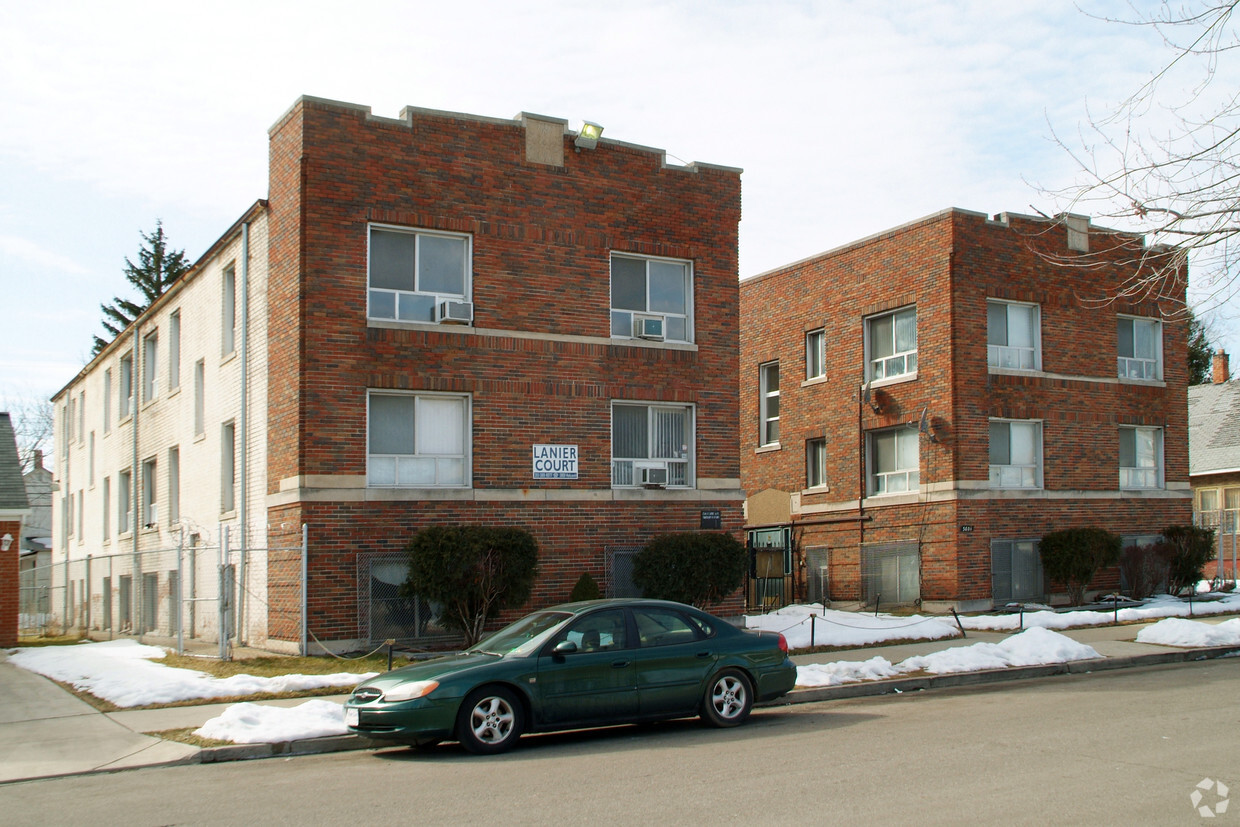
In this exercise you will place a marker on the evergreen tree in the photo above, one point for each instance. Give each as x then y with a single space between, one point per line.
156 270
1200 352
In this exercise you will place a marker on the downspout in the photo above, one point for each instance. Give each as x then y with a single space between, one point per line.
243 512
135 604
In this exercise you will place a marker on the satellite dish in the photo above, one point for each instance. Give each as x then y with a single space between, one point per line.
924 425
865 392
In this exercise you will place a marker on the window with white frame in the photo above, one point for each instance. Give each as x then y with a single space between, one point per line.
1140 457
651 444
150 501
200 399
174 485
815 354
174 350
124 502
150 367
228 312
768 416
418 440
1013 337
894 463
228 466
1015 454
651 298
107 401
1140 348
81 418
126 386
412 271
815 463
107 508
70 419
891 344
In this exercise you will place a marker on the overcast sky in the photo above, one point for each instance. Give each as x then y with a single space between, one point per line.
847 117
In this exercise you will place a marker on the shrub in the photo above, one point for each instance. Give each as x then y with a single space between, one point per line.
1189 548
694 567
1073 556
1145 569
473 572
585 589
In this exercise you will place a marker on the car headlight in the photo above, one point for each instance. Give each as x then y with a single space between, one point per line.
409 691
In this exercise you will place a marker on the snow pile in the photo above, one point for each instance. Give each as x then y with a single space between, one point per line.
1033 647
811 625
123 672
249 723
1161 606
1176 631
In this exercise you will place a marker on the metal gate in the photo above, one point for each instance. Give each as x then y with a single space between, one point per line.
891 573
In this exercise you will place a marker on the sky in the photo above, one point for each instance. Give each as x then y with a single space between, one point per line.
128 673
848 116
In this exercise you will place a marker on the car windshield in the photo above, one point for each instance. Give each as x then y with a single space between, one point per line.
523 636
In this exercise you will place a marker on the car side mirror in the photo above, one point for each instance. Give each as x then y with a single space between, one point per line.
564 647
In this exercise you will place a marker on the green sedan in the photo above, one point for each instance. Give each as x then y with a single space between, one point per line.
595 663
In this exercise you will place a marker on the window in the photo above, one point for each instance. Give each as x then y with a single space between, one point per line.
894 461
124 492
891 344
228 320
91 461
70 419
1013 336
150 367
174 350
815 463
418 440
81 418
412 271
174 485
150 503
228 466
651 445
69 521
126 389
1015 454
107 508
81 514
1016 571
768 378
815 354
651 289
107 401
665 627
200 389
1140 458
1140 348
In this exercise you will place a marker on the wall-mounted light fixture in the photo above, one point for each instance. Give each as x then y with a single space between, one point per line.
588 135
6 542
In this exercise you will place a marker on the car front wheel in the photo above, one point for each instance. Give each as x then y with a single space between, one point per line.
490 721
728 699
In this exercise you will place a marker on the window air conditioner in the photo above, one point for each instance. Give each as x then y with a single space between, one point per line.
454 312
648 327
153 515
653 476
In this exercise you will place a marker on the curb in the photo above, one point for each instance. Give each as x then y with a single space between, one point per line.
342 743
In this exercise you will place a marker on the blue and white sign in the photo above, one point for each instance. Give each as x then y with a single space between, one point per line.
555 462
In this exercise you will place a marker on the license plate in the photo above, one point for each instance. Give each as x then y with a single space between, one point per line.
350 716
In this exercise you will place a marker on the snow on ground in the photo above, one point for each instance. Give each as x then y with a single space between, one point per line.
805 626
125 673
1031 647
248 723
1156 607
1175 631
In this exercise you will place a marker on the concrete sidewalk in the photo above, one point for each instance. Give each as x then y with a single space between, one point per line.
45 731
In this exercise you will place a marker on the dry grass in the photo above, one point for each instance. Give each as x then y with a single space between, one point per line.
185 735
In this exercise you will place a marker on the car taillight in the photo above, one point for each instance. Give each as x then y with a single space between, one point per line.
783 643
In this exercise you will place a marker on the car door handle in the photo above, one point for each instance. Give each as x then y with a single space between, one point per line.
619 664
703 655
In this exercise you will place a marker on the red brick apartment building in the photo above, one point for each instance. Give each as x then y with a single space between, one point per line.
919 407
449 292
451 319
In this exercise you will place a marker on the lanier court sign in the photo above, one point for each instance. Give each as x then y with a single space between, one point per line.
555 462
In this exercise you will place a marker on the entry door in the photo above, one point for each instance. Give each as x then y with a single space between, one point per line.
1016 571
595 683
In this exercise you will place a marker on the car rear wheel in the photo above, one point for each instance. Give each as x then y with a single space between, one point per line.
490 721
728 699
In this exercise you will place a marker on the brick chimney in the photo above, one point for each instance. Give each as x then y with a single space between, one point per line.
1220 373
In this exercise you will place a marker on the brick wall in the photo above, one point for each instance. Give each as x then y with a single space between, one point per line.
9 583
948 265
